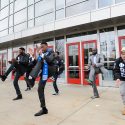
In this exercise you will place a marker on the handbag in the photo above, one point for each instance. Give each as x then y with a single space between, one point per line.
97 70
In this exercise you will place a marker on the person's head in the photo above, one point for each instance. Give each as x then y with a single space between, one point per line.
94 51
21 50
44 46
123 53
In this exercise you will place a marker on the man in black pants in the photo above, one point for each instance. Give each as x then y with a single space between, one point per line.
45 62
19 65
32 63
59 62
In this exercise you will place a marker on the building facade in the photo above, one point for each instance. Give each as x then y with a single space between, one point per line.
73 27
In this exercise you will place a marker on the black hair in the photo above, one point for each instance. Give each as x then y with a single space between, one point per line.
22 48
45 43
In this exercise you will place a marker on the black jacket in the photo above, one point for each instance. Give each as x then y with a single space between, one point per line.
119 69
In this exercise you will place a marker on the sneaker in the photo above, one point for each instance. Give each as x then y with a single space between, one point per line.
57 93
18 97
28 89
89 81
41 112
94 97
30 82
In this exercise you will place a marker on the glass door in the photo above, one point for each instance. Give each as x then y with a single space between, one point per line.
73 63
121 43
87 47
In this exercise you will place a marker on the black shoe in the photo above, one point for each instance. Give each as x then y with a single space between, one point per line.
30 82
57 93
41 112
18 97
93 97
28 89
3 77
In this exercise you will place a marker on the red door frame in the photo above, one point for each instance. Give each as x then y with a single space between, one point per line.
83 43
73 80
120 45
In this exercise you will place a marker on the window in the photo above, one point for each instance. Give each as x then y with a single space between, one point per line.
108 50
118 1
71 2
103 3
20 27
11 8
30 12
20 4
4 12
4 3
31 23
3 33
43 7
30 2
44 19
121 30
60 4
20 16
80 8
11 21
4 24
60 14
10 30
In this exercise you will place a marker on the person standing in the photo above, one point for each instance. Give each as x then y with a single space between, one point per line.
19 65
96 66
59 62
32 63
119 73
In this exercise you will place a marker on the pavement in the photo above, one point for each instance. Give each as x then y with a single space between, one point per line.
73 106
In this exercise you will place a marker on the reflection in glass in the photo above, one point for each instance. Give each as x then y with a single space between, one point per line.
118 1
30 12
60 14
108 50
4 12
4 24
87 51
20 27
73 68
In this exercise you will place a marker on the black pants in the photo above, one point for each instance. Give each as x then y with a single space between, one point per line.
95 90
29 69
55 84
18 74
41 94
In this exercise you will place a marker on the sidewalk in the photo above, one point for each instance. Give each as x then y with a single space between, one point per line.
72 107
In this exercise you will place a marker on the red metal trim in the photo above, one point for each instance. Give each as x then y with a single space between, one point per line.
83 77
73 80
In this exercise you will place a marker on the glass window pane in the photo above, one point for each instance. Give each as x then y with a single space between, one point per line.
108 50
20 4
43 7
71 2
20 27
30 2
30 12
80 8
60 4
20 16
103 3
4 3
3 33
37 0
11 21
60 14
4 24
118 1
10 30
11 8
44 19
31 23
4 12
